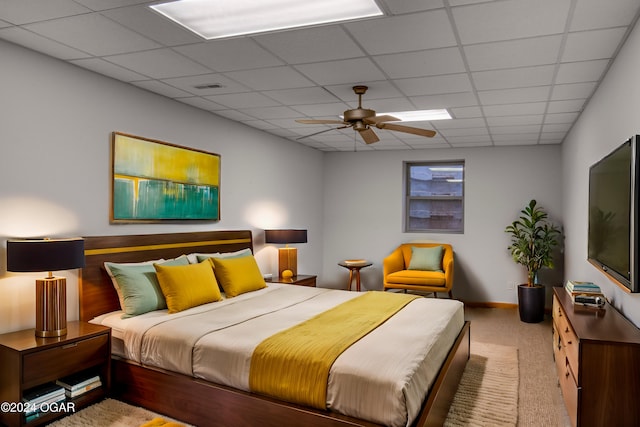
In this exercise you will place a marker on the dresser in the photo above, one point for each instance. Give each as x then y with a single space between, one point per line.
597 357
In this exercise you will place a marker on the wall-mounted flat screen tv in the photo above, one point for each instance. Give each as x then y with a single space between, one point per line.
613 214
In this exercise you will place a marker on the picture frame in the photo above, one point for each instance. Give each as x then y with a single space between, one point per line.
156 181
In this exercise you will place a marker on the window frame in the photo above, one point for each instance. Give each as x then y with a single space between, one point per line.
407 198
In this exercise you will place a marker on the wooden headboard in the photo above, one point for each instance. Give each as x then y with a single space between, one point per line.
97 294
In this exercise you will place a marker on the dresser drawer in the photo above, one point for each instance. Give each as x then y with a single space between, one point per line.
51 364
569 387
568 337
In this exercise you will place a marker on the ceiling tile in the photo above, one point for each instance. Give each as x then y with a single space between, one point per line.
515 109
450 83
515 129
229 55
145 21
573 91
514 96
514 120
565 106
585 71
270 78
596 44
302 96
359 70
561 118
588 14
109 4
513 53
514 77
422 63
510 19
266 113
522 137
158 63
94 34
197 85
27 11
321 110
418 31
324 43
243 100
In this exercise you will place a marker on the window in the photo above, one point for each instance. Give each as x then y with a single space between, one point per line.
434 197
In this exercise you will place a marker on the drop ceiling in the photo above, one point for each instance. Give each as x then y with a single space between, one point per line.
510 72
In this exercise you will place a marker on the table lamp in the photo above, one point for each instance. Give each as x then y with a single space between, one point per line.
287 256
38 255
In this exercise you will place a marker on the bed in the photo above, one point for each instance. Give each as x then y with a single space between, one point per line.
204 399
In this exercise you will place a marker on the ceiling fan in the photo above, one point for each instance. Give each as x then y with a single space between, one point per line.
361 120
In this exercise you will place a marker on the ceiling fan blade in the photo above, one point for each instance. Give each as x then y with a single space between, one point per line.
369 136
320 122
407 129
318 133
379 119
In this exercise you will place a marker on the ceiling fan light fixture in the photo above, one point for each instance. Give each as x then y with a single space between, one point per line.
231 18
421 115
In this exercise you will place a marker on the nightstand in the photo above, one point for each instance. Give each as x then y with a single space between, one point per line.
28 363
300 280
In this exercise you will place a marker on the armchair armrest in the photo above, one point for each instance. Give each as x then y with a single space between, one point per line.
392 263
447 264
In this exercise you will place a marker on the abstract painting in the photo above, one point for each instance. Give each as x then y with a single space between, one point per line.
157 181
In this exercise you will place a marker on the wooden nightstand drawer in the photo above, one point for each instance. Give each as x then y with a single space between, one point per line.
57 362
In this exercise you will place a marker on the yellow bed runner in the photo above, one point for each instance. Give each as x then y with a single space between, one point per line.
293 365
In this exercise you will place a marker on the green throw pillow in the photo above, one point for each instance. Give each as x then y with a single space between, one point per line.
139 287
428 259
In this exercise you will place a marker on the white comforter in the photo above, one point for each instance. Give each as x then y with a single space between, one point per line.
382 378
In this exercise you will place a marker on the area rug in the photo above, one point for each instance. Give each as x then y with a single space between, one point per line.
113 413
488 391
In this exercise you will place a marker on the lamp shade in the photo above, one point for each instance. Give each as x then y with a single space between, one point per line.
36 255
285 236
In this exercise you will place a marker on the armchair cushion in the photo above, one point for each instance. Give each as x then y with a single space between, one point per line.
427 259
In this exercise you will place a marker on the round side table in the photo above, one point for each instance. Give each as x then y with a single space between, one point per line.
354 267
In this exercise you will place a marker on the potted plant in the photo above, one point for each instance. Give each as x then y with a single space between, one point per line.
533 238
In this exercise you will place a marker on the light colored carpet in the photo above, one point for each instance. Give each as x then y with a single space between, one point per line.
112 413
488 391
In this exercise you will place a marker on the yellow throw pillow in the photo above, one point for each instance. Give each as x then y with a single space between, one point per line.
238 275
187 286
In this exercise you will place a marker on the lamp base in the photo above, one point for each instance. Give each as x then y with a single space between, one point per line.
51 307
288 260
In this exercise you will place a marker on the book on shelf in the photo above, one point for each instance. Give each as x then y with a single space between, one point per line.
77 381
576 286
39 406
80 391
43 394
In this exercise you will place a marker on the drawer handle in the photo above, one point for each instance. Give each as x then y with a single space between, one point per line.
566 375
566 330
72 345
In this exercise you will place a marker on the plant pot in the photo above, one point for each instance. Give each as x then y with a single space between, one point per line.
531 301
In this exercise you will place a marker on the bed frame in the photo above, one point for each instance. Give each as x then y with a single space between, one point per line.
200 402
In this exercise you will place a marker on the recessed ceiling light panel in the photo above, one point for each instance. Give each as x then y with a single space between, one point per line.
420 115
214 19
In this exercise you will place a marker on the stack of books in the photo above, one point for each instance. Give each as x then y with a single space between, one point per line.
583 292
79 384
40 398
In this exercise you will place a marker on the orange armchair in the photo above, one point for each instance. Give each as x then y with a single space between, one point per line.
397 275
